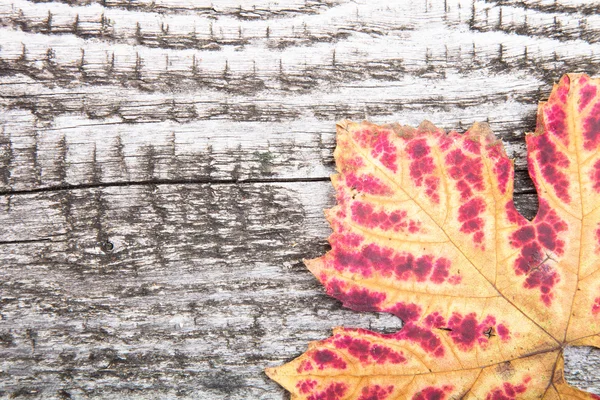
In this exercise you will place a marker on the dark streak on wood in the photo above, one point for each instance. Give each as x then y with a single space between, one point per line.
6 156
554 31
241 13
156 182
553 8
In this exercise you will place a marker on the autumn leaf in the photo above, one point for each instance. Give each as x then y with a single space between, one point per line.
425 228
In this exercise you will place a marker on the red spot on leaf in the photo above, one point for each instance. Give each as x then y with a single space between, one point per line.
591 129
547 236
502 165
375 392
522 236
513 215
328 359
456 158
366 260
596 307
563 88
304 366
418 149
446 141
353 163
381 355
508 391
586 94
406 312
435 320
549 225
468 215
469 169
465 190
379 143
422 267
365 215
544 278
306 386
551 161
539 275
422 167
358 348
468 175
432 183
531 256
595 176
532 239
440 271
472 145
425 338
557 125
357 299
502 169
367 184
503 332
335 391
433 393
347 239
403 266
386 152
471 210
368 353
466 331
364 137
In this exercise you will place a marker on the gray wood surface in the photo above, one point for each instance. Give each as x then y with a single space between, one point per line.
164 165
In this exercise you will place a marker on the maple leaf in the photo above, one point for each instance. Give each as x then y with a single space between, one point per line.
425 228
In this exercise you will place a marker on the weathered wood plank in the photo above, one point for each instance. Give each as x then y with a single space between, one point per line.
136 260
309 83
76 151
201 287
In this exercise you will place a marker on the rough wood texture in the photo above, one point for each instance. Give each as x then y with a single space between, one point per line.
164 166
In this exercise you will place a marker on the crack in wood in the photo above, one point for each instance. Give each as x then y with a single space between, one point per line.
159 182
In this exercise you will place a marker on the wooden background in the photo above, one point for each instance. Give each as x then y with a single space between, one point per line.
164 165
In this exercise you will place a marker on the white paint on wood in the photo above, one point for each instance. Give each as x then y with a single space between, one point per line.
134 125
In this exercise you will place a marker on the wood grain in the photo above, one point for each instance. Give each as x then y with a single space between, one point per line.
164 166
